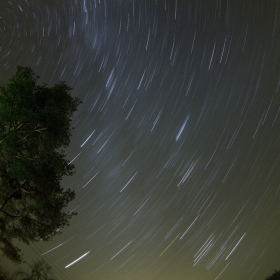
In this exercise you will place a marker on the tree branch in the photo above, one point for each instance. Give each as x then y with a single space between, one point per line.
35 130
10 214
7 200
19 125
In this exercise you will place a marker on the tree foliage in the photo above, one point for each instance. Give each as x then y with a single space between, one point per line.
34 130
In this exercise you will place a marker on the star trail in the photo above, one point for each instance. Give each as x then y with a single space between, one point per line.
177 142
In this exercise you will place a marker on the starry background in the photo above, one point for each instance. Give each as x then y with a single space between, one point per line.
177 142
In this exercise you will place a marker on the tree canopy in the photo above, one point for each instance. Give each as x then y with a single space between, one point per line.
35 128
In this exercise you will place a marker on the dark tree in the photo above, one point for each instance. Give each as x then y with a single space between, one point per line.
39 270
274 276
4 275
34 130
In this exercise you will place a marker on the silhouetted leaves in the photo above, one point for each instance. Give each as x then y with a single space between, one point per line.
34 130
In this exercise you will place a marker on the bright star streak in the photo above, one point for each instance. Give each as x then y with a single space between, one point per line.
87 139
77 260
235 246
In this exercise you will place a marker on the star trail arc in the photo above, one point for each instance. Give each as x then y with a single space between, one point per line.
176 143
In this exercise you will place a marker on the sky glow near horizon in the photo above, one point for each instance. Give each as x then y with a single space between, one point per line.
177 142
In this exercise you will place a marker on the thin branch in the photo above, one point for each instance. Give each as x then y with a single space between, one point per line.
10 214
19 125
38 130
7 200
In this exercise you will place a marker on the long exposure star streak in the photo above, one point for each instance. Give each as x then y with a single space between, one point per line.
177 142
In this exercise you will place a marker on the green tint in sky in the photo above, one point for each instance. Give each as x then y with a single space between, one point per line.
176 144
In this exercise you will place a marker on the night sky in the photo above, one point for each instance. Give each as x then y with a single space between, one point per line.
177 142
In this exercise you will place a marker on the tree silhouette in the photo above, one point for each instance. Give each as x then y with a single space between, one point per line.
34 130
4 275
274 276
39 270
